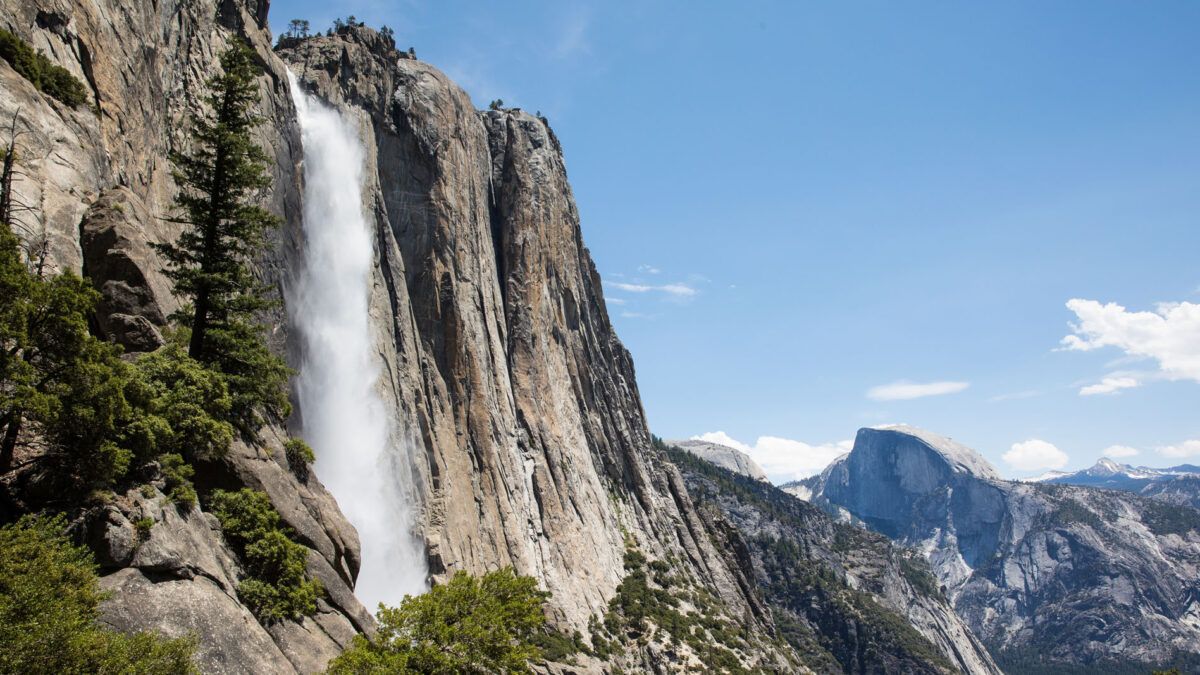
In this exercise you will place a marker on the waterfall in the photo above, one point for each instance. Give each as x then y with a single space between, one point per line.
358 455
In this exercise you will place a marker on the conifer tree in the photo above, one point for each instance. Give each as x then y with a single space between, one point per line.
224 229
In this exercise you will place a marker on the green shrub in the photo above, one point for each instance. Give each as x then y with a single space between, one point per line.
49 78
299 456
487 624
143 527
178 476
49 598
276 586
183 407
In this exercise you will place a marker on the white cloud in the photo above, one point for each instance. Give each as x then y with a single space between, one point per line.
903 390
649 269
615 301
1120 451
782 458
1035 454
1169 335
1016 395
1184 449
676 290
1109 385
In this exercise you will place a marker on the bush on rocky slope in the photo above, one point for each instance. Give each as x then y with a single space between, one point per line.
469 625
49 595
49 78
277 587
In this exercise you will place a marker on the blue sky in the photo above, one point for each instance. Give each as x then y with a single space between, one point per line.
796 206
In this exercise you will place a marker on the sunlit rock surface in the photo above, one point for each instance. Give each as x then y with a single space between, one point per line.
1073 573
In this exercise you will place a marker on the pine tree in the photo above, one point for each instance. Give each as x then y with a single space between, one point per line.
223 232
56 376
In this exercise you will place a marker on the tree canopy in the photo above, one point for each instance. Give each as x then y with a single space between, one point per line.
210 263
49 605
470 624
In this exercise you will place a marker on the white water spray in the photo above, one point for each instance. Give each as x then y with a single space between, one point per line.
344 419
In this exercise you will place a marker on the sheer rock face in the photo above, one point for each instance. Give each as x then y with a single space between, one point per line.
529 443
812 570
1077 574
100 188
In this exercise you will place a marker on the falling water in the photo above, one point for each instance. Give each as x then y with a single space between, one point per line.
344 419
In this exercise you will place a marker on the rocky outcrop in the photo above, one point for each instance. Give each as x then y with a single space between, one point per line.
98 183
529 443
1072 574
135 299
848 600
723 456
529 446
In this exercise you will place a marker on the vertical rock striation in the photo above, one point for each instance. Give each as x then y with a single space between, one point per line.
100 188
528 441
1054 572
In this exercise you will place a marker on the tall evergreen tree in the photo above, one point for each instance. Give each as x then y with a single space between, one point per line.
56 376
221 177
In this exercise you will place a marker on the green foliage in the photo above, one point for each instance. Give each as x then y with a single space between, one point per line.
143 527
648 605
56 378
49 594
916 571
1070 511
487 624
497 104
178 475
299 456
1032 660
185 408
277 586
49 78
93 414
223 232
1163 518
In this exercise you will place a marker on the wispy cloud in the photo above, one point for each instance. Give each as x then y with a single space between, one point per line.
649 269
1170 335
1109 385
783 459
615 301
1014 396
677 289
1120 451
1184 449
904 390
1035 454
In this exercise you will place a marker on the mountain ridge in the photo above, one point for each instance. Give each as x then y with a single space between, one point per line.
1029 565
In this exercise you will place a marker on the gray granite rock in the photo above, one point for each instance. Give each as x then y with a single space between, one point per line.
1076 574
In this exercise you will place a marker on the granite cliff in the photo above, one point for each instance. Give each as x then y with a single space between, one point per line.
99 183
519 410
847 599
1074 575
523 435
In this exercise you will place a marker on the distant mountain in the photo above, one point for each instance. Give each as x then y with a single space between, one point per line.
723 456
1175 484
847 599
1050 576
